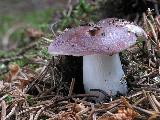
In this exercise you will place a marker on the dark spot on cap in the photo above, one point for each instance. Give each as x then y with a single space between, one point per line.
136 35
103 34
72 45
123 20
94 31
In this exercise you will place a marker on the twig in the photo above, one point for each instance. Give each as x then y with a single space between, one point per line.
143 110
3 111
135 95
153 30
46 39
110 108
71 87
91 115
139 101
145 21
155 100
41 75
83 111
11 112
51 28
38 113
29 109
126 102
152 103
39 90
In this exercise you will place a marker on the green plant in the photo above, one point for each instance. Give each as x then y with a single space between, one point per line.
30 100
82 11
9 99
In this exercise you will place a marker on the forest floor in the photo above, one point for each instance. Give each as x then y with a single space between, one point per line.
35 85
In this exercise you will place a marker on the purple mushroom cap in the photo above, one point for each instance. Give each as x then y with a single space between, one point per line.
108 37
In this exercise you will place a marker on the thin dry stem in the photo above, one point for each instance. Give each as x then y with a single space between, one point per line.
38 113
11 112
153 30
152 102
155 100
3 111
139 101
71 87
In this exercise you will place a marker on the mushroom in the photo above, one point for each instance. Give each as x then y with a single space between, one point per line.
100 46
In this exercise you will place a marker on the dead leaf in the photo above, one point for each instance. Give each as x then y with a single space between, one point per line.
123 114
79 107
33 33
14 69
67 116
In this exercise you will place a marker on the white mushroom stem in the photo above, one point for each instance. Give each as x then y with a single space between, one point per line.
103 72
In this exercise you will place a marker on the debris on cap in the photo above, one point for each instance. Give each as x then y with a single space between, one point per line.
109 37
123 23
113 22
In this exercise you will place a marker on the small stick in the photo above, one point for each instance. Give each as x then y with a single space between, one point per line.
11 112
135 95
51 27
155 100
38 113
150 15
38 88
126 103
143 110
145 94
39 77
110 108
152 103
139 101
90 116
29 109
153 30
83 111
145 21
3 111
71 87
